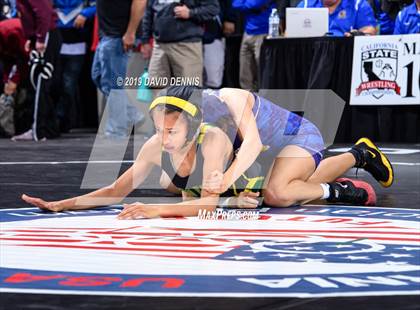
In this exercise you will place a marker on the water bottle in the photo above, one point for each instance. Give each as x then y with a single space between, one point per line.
273 24
144 93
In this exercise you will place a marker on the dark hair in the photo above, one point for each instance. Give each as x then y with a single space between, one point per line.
191 94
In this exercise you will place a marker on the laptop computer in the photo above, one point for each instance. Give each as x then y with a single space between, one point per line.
306 22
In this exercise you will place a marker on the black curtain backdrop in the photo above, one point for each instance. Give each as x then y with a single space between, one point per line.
231 71
326 63
88 106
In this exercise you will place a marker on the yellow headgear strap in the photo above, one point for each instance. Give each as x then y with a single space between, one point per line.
177 102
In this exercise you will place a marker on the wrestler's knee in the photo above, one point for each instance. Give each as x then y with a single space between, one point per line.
278 198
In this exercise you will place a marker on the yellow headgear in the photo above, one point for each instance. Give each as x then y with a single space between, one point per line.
175 101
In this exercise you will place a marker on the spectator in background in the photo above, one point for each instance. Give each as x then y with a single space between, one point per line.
72 17
12 54
408 19
385 21
39 25
15 61
8 9
118 29
256 13
178 33
346 16
214 43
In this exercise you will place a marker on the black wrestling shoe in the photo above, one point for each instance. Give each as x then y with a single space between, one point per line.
371 159
347 192
371 194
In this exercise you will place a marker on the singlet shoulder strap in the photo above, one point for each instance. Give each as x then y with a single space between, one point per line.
203 129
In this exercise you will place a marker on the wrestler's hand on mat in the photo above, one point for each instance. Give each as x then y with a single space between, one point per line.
138 209
215 183
247 200
53 206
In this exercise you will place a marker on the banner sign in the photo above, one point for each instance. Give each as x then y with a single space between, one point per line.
386 70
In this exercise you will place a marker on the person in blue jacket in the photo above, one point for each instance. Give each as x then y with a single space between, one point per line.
346 16
386 20
256 13
408 19
72 18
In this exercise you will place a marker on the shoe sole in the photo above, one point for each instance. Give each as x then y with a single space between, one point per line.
384 160
366 186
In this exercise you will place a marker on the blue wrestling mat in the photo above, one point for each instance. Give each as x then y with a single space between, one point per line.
311 251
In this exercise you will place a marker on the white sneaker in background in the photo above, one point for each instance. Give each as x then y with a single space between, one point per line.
26 136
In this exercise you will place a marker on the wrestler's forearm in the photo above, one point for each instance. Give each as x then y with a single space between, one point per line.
112 194
245 157
188 208
101 197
